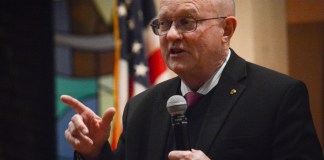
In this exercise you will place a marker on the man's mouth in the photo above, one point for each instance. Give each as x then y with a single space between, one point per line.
176 51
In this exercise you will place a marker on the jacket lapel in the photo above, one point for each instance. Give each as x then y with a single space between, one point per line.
160 124
223 99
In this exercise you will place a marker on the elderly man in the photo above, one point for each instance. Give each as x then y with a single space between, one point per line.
244 112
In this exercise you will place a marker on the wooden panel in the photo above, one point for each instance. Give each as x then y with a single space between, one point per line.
106 63
305 11
85 64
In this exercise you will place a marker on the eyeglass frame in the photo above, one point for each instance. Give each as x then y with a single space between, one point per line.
155 27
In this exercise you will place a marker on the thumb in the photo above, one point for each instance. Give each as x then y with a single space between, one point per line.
108 117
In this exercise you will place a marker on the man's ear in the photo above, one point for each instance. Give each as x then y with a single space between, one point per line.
229 28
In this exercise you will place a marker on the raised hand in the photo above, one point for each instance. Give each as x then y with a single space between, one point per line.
87 132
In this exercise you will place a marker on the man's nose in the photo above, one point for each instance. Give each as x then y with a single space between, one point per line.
173 32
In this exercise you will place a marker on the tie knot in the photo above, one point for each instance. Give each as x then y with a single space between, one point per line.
192 98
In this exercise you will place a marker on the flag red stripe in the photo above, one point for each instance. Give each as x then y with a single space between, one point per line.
156 65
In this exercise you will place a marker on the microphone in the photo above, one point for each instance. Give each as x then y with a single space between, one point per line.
177 106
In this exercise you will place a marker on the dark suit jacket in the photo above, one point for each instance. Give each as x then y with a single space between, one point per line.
268 118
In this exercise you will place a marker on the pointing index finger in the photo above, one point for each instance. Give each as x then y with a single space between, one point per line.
74 103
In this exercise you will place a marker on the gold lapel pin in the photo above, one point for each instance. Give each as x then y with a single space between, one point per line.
233 91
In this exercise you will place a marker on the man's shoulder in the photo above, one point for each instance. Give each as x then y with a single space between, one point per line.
261 72
238 68
268 79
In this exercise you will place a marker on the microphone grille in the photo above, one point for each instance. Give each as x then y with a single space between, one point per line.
176 105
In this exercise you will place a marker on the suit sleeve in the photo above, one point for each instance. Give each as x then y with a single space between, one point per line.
119 153
294 133
106 154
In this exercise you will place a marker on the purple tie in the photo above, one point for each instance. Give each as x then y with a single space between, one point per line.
192 98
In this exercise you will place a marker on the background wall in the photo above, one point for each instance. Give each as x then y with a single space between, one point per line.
261 35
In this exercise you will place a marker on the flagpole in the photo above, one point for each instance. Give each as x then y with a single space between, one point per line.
117 127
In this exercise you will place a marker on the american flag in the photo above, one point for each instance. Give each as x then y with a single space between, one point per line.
138 61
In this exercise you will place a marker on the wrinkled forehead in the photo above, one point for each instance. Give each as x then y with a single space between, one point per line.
195 8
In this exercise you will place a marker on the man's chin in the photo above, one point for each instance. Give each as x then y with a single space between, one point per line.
179 69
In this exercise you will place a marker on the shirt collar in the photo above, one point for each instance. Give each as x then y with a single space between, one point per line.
210 84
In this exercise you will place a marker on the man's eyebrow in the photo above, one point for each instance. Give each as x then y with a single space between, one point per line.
190 12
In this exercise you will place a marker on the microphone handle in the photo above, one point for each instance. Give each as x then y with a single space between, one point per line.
179 123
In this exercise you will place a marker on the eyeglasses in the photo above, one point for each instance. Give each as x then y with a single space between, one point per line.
183 25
